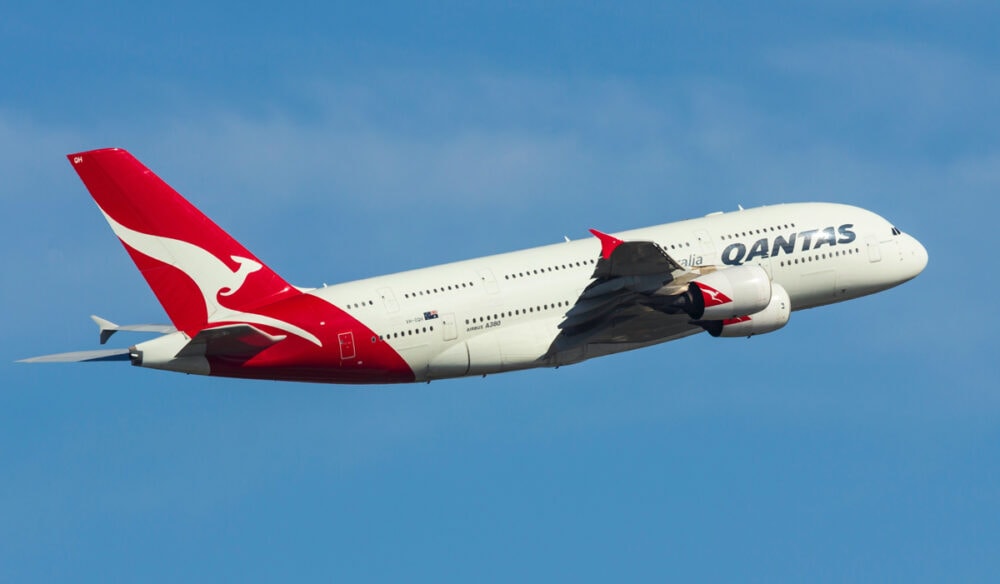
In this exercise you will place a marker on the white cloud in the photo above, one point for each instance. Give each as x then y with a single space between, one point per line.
538 153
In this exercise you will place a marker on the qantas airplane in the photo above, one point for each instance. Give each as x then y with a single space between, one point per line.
733 274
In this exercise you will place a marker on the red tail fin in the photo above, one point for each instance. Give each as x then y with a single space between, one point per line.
198 272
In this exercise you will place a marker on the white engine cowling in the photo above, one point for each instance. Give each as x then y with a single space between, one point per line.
773 317
729 293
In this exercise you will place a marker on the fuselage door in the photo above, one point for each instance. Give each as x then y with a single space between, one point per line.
489 282
389 299
449 326
874 250
346 342
706 248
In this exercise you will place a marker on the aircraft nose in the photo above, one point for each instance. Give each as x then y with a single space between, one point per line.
916 256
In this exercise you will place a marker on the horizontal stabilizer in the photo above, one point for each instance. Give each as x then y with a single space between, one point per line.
240 341
109 328
79 356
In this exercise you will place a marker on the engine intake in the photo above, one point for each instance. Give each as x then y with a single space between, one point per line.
727 294
774 316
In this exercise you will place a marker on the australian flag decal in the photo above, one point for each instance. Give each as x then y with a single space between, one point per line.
430 315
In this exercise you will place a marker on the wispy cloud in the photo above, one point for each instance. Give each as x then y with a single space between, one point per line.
551 153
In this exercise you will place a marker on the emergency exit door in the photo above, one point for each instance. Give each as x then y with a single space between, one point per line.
346 342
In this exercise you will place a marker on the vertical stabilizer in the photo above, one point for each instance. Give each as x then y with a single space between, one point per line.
199 273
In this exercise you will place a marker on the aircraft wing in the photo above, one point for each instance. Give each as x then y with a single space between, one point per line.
631 298
632 258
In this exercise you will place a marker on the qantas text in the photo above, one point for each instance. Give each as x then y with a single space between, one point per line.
736 253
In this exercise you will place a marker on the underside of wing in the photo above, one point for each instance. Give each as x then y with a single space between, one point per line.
637 296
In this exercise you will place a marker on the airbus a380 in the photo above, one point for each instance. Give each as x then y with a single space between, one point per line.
734 274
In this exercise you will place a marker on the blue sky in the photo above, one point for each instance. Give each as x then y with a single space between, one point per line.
861 442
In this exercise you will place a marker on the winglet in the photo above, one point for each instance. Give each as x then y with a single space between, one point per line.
608 243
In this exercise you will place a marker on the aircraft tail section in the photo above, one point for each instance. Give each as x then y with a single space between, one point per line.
197 271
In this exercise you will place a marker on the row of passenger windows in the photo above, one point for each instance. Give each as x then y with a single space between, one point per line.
516 312
760 231
430 291
549 269
535 272
570 265
406 333
821 256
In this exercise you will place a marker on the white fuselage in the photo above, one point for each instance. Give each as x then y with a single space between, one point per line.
501 312
730 274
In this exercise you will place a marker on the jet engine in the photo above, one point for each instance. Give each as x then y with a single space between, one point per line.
727 294
773 317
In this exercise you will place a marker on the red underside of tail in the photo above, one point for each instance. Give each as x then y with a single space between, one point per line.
350 351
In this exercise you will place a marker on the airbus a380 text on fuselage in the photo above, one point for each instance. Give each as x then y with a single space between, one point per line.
732 274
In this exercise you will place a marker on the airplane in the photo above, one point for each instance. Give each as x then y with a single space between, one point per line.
735 274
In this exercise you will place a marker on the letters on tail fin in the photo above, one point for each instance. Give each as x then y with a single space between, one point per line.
199 273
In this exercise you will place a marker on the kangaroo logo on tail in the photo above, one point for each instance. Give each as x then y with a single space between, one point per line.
246 268
212 276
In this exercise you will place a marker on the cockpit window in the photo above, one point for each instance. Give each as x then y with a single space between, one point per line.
896 231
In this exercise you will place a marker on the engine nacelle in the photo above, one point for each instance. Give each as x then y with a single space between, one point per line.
729 293
773 317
